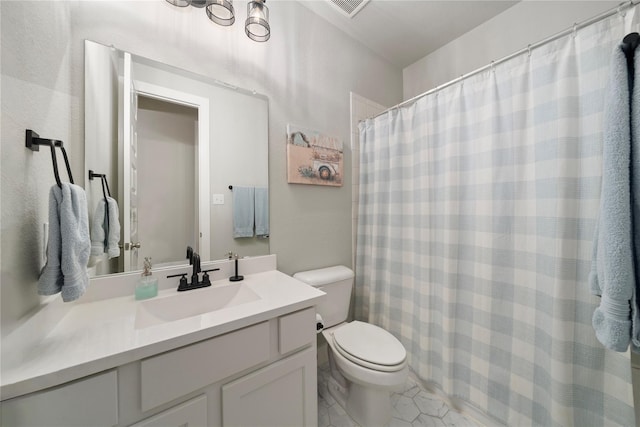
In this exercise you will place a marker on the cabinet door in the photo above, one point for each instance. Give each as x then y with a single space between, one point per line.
192 413
281 394
90 401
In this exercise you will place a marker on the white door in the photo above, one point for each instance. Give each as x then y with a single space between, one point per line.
129 169
128 164
202 217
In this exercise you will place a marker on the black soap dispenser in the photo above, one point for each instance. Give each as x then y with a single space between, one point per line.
236 277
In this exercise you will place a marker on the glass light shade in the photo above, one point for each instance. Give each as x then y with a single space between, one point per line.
257 24
180 3
221 12
199 3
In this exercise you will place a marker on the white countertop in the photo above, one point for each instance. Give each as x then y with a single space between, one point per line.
85 338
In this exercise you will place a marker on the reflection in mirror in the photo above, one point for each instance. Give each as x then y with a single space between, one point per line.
172 143
166 200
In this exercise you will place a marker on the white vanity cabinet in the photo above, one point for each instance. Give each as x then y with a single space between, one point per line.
283 393
259 375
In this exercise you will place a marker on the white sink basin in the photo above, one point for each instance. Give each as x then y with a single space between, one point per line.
192 303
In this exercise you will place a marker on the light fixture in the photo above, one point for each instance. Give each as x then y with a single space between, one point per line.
222 13
180 3
257 24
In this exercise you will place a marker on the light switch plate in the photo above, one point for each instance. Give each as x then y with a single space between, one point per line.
217 199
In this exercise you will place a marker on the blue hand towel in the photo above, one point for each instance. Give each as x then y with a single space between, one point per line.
69 244
243 211
113 236
612 273
98 229
262 212
105 237
635 198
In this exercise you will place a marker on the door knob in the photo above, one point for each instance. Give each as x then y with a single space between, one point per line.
129 246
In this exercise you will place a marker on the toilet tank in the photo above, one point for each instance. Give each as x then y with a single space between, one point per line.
337 283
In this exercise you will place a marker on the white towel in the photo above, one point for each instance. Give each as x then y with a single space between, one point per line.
69 244
106 237
243 211
262 212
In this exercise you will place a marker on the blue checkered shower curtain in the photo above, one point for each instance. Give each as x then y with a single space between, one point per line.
476 215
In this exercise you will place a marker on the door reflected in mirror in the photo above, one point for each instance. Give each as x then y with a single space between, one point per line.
167 180
172 143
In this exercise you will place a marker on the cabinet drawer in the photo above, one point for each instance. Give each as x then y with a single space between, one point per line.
296 330
88 402
176 373
192 413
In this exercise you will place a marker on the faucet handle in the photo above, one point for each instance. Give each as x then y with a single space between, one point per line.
205 276
183 281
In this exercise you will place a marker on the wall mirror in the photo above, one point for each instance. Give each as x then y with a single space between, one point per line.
172 145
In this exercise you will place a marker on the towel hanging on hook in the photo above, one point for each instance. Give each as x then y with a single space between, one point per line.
33 142
106 194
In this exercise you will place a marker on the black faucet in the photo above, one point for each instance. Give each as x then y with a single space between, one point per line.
194 260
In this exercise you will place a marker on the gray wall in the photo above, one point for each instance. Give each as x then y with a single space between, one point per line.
514 29
307 70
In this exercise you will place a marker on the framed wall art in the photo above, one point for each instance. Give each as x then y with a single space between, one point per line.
313 158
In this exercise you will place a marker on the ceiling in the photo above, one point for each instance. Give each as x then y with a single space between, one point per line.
404 31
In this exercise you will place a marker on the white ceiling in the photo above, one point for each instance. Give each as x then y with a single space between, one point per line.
404 31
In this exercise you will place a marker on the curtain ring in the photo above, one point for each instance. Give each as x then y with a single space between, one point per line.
621 13
493 66
529 50
575 29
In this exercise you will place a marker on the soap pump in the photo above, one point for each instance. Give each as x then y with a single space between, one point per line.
235 277
147 287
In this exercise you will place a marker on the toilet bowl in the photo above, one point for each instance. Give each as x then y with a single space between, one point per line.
366 361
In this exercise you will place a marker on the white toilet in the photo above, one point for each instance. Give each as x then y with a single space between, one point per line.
366 362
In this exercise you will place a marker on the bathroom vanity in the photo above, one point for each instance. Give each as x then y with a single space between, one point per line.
234 354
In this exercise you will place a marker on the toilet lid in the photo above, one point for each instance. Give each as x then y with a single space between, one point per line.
369 343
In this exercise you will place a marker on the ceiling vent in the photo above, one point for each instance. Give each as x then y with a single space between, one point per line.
349 7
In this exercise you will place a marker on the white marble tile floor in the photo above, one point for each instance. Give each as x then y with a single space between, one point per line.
413 407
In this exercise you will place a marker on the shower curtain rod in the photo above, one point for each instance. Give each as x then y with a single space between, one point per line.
616 10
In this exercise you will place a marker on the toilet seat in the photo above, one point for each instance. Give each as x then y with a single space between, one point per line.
370 346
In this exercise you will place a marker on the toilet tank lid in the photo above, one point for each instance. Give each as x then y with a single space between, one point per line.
323 276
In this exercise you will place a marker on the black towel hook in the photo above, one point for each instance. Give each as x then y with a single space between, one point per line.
105 193
630 43
33 142
103 178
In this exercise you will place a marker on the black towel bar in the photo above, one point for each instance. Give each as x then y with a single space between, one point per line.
103 178
105 192
33 143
